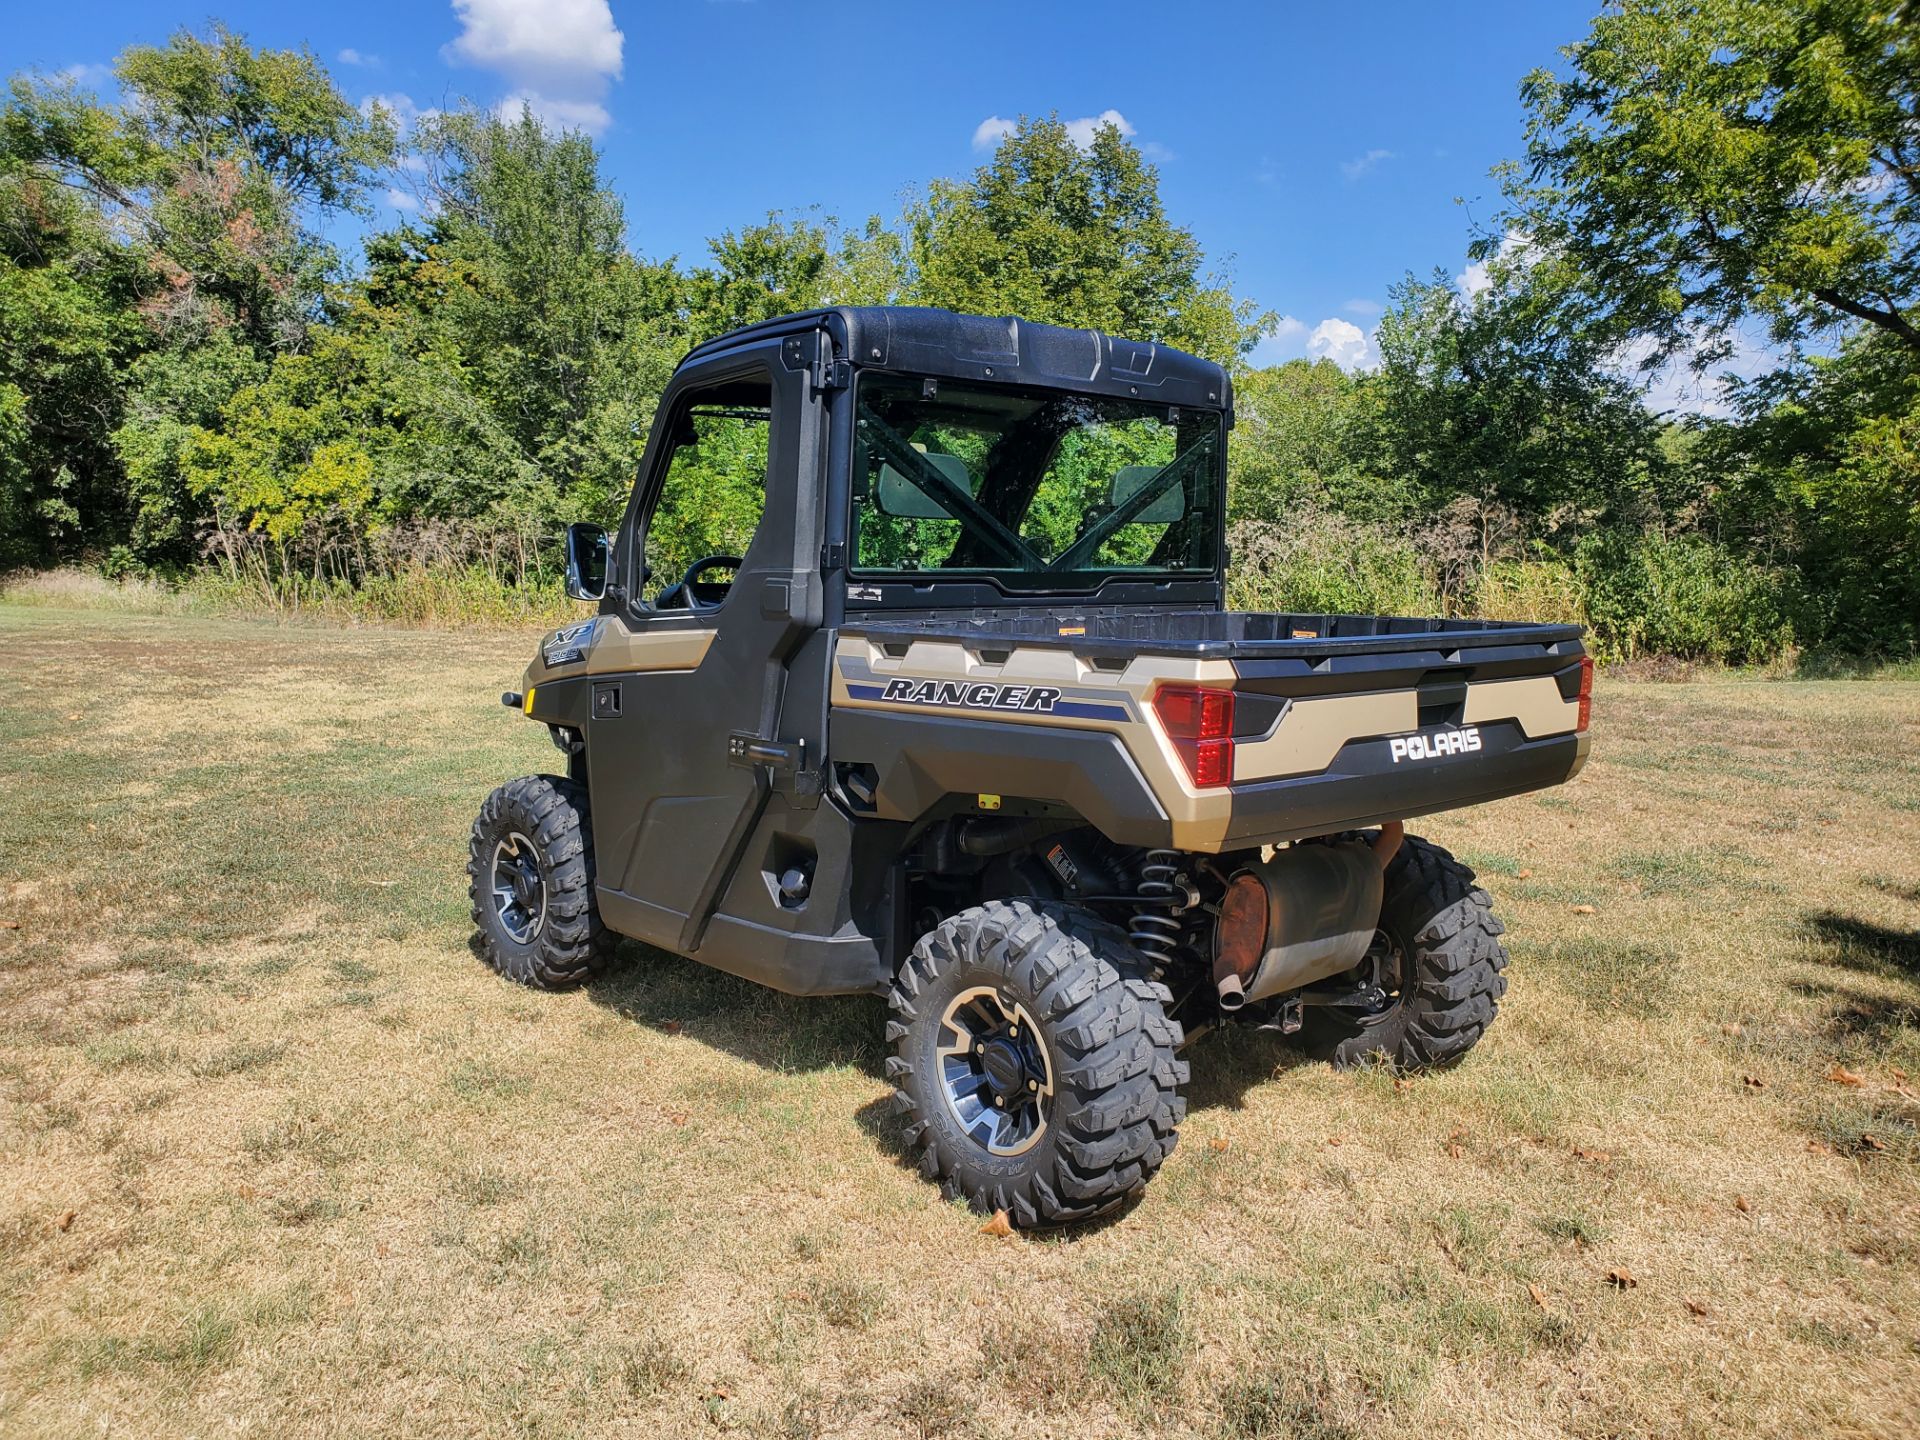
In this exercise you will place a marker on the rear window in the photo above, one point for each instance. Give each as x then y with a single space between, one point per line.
1033 489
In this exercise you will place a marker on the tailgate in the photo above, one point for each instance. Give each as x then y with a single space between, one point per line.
1336 722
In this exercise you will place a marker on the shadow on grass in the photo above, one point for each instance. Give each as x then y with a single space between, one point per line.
1862 945
677 996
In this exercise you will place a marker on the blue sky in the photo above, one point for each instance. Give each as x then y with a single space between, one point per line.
1316 150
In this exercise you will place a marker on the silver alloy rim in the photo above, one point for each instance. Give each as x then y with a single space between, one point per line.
519 890
990 1051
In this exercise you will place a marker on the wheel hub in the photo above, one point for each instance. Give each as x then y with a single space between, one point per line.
519 891
995 1072
1005 1067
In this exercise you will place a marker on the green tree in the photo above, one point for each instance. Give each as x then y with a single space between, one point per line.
1496 400
67 329
184 224
1823 468
1706 160
1301 438
525 283
1052 232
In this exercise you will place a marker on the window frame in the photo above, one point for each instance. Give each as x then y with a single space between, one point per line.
682 397
1040 584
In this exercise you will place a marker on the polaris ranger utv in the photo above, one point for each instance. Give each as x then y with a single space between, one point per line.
911 675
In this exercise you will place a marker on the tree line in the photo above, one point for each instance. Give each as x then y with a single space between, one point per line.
196 383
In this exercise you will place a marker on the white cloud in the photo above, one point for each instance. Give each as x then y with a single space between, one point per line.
1355 168
1478 276
1287 340
400 109
1344 343
1366 309
557 55
991 131
1675 388
1081 131
555 114
88 75
365 61
402 201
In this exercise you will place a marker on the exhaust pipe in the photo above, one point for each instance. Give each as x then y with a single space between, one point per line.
1387 843
1306 914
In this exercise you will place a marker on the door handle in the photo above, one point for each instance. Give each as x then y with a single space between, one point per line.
747 750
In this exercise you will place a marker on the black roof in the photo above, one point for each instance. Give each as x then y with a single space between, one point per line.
918 341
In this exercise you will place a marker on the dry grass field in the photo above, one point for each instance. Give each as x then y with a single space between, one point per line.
279 1156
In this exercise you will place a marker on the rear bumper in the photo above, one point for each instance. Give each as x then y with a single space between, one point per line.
1365 786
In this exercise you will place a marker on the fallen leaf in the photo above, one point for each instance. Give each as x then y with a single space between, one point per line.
1820 1147
1740 1204
1523 875
1696 1307
1217 1144
1455 1151
1586 1154
1333 1140
1622 1278
1585 910
677 1117
998 1225
65 1222
1732 1029
1539 1296
1459 1134
383 1250
1840 1075
1401 1084
9 924
672 1027
720 1392
1897 1072
1755 1081
1873 1142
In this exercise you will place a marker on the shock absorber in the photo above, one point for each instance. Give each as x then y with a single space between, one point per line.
1155 931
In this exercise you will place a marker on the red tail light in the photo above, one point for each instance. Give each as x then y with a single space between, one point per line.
1586 695
1200 724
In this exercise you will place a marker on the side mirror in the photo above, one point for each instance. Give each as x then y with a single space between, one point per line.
586 562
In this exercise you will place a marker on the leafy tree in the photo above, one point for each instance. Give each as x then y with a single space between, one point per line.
1301 438
182 222
1705 160
1495 400
1823 469
67 327
526 285
1071 236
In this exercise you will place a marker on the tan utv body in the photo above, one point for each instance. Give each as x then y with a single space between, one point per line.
969 726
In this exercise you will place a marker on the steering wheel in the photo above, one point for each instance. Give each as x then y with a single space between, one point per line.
690 592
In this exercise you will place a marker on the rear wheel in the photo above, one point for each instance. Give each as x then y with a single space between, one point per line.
1036 1064
1438 957
530 879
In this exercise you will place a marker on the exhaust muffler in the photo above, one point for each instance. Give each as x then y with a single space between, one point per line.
1308 913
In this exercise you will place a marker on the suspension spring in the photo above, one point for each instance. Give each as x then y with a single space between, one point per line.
1155 931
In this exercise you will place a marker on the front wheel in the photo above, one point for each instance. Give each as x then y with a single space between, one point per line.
530 878
1035 1063
1438 956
